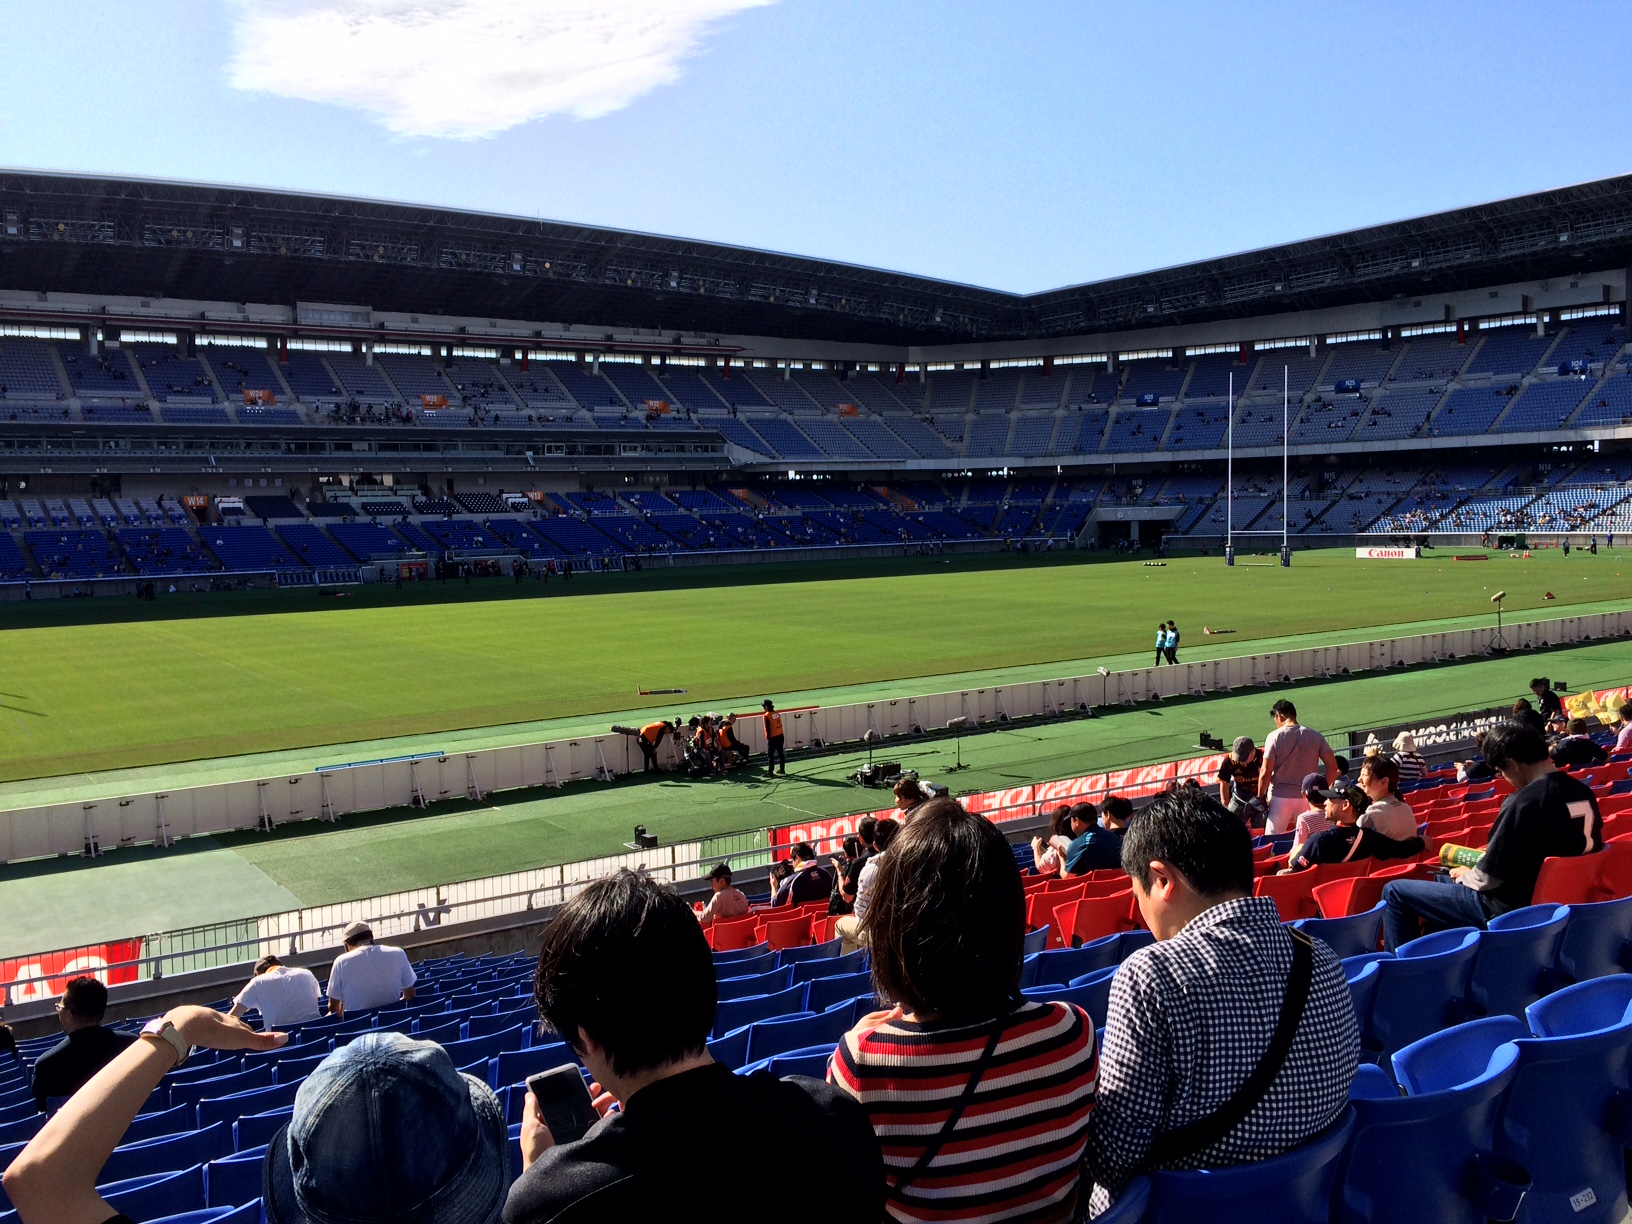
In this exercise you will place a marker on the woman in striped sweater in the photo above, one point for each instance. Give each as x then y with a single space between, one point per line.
980 1098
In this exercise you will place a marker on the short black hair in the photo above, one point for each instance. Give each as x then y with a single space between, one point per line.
625 961
1195 834
85 998
1342 762
948 917
802 851
865 827
885 834
1625 712
1085 812
1115 807
1511 743
1542 681
721 871
1285 709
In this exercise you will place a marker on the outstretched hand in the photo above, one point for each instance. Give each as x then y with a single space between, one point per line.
208 1029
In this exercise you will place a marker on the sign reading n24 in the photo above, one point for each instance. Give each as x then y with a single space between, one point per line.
1388 554
55 969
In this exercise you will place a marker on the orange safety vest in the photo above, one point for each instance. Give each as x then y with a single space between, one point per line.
722 737
652 733
773 725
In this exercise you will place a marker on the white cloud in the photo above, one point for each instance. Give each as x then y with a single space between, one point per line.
468 68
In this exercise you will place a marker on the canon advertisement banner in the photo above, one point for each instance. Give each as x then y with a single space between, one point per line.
1389 554
1019 802
1432 734
109 963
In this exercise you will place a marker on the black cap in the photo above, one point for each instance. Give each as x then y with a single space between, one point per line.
1344 789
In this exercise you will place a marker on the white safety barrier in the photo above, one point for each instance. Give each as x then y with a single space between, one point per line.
331 792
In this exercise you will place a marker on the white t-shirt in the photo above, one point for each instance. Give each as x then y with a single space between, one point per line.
374 975
283 995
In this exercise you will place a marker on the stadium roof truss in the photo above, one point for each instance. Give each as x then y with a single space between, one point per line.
144 238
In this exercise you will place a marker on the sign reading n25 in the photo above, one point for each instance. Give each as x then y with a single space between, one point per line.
43 976
1388 554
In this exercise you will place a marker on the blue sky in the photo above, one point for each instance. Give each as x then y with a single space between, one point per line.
1020 146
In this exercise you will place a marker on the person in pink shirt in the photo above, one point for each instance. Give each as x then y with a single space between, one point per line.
1623 741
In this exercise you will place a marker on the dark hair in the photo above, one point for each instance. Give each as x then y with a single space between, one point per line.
1510 743
1625 712
625 961
1382 767
1543 681
909 789
1060 823
1115 807
1085 812
1342 762
852 847
1522 706
885 834
721 871
265 963
948 917
1195 834
85 998
1578 726
1285 709
802 851
865 828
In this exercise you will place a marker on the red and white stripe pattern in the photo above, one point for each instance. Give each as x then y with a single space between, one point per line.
1016 1152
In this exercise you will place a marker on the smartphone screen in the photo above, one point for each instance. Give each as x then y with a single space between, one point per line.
564 1100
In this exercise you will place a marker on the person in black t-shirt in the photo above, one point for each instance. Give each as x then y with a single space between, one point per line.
847 871
625 976
1525 715
1577 748
1238 774
1549 814
86 1049
1547 703
1348 842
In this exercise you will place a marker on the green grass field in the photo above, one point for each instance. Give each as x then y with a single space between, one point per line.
132 891
220 677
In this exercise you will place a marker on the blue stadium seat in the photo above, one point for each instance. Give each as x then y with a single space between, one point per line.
482 1026
213 1215
730 1050
757 984
1565 1118
164 1122
146 1198
256 1130
256 1100
219 1086
234 1179
1130 942
770 1037
20 1112
1595 941
1057 966
1035 941
1092 993
515 1066
739 1012
747 966
825 992
293 1070
167 1153
830 966
1440 1132
811 1062
1082 996
477 1049
1419 991
809 952
1289 1189
1130 1205
1514 966
738 954
441 1033
1354 935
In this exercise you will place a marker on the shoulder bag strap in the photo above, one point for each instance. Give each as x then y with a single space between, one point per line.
1175 1145
933 1149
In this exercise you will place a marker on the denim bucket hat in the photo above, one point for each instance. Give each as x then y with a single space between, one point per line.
385 1129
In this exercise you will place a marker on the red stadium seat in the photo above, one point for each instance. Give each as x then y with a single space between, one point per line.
782 933
729 936
1568 881
1292 894
1041 905
1341 898
1413 870
1615 871
1091 918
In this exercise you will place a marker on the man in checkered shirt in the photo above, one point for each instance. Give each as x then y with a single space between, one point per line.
1192 1014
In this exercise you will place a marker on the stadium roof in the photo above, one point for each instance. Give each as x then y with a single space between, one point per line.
146 238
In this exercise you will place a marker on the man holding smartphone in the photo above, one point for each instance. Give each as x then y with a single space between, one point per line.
625 976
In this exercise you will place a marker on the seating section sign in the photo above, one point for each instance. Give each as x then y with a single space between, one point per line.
43 975
1019 802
